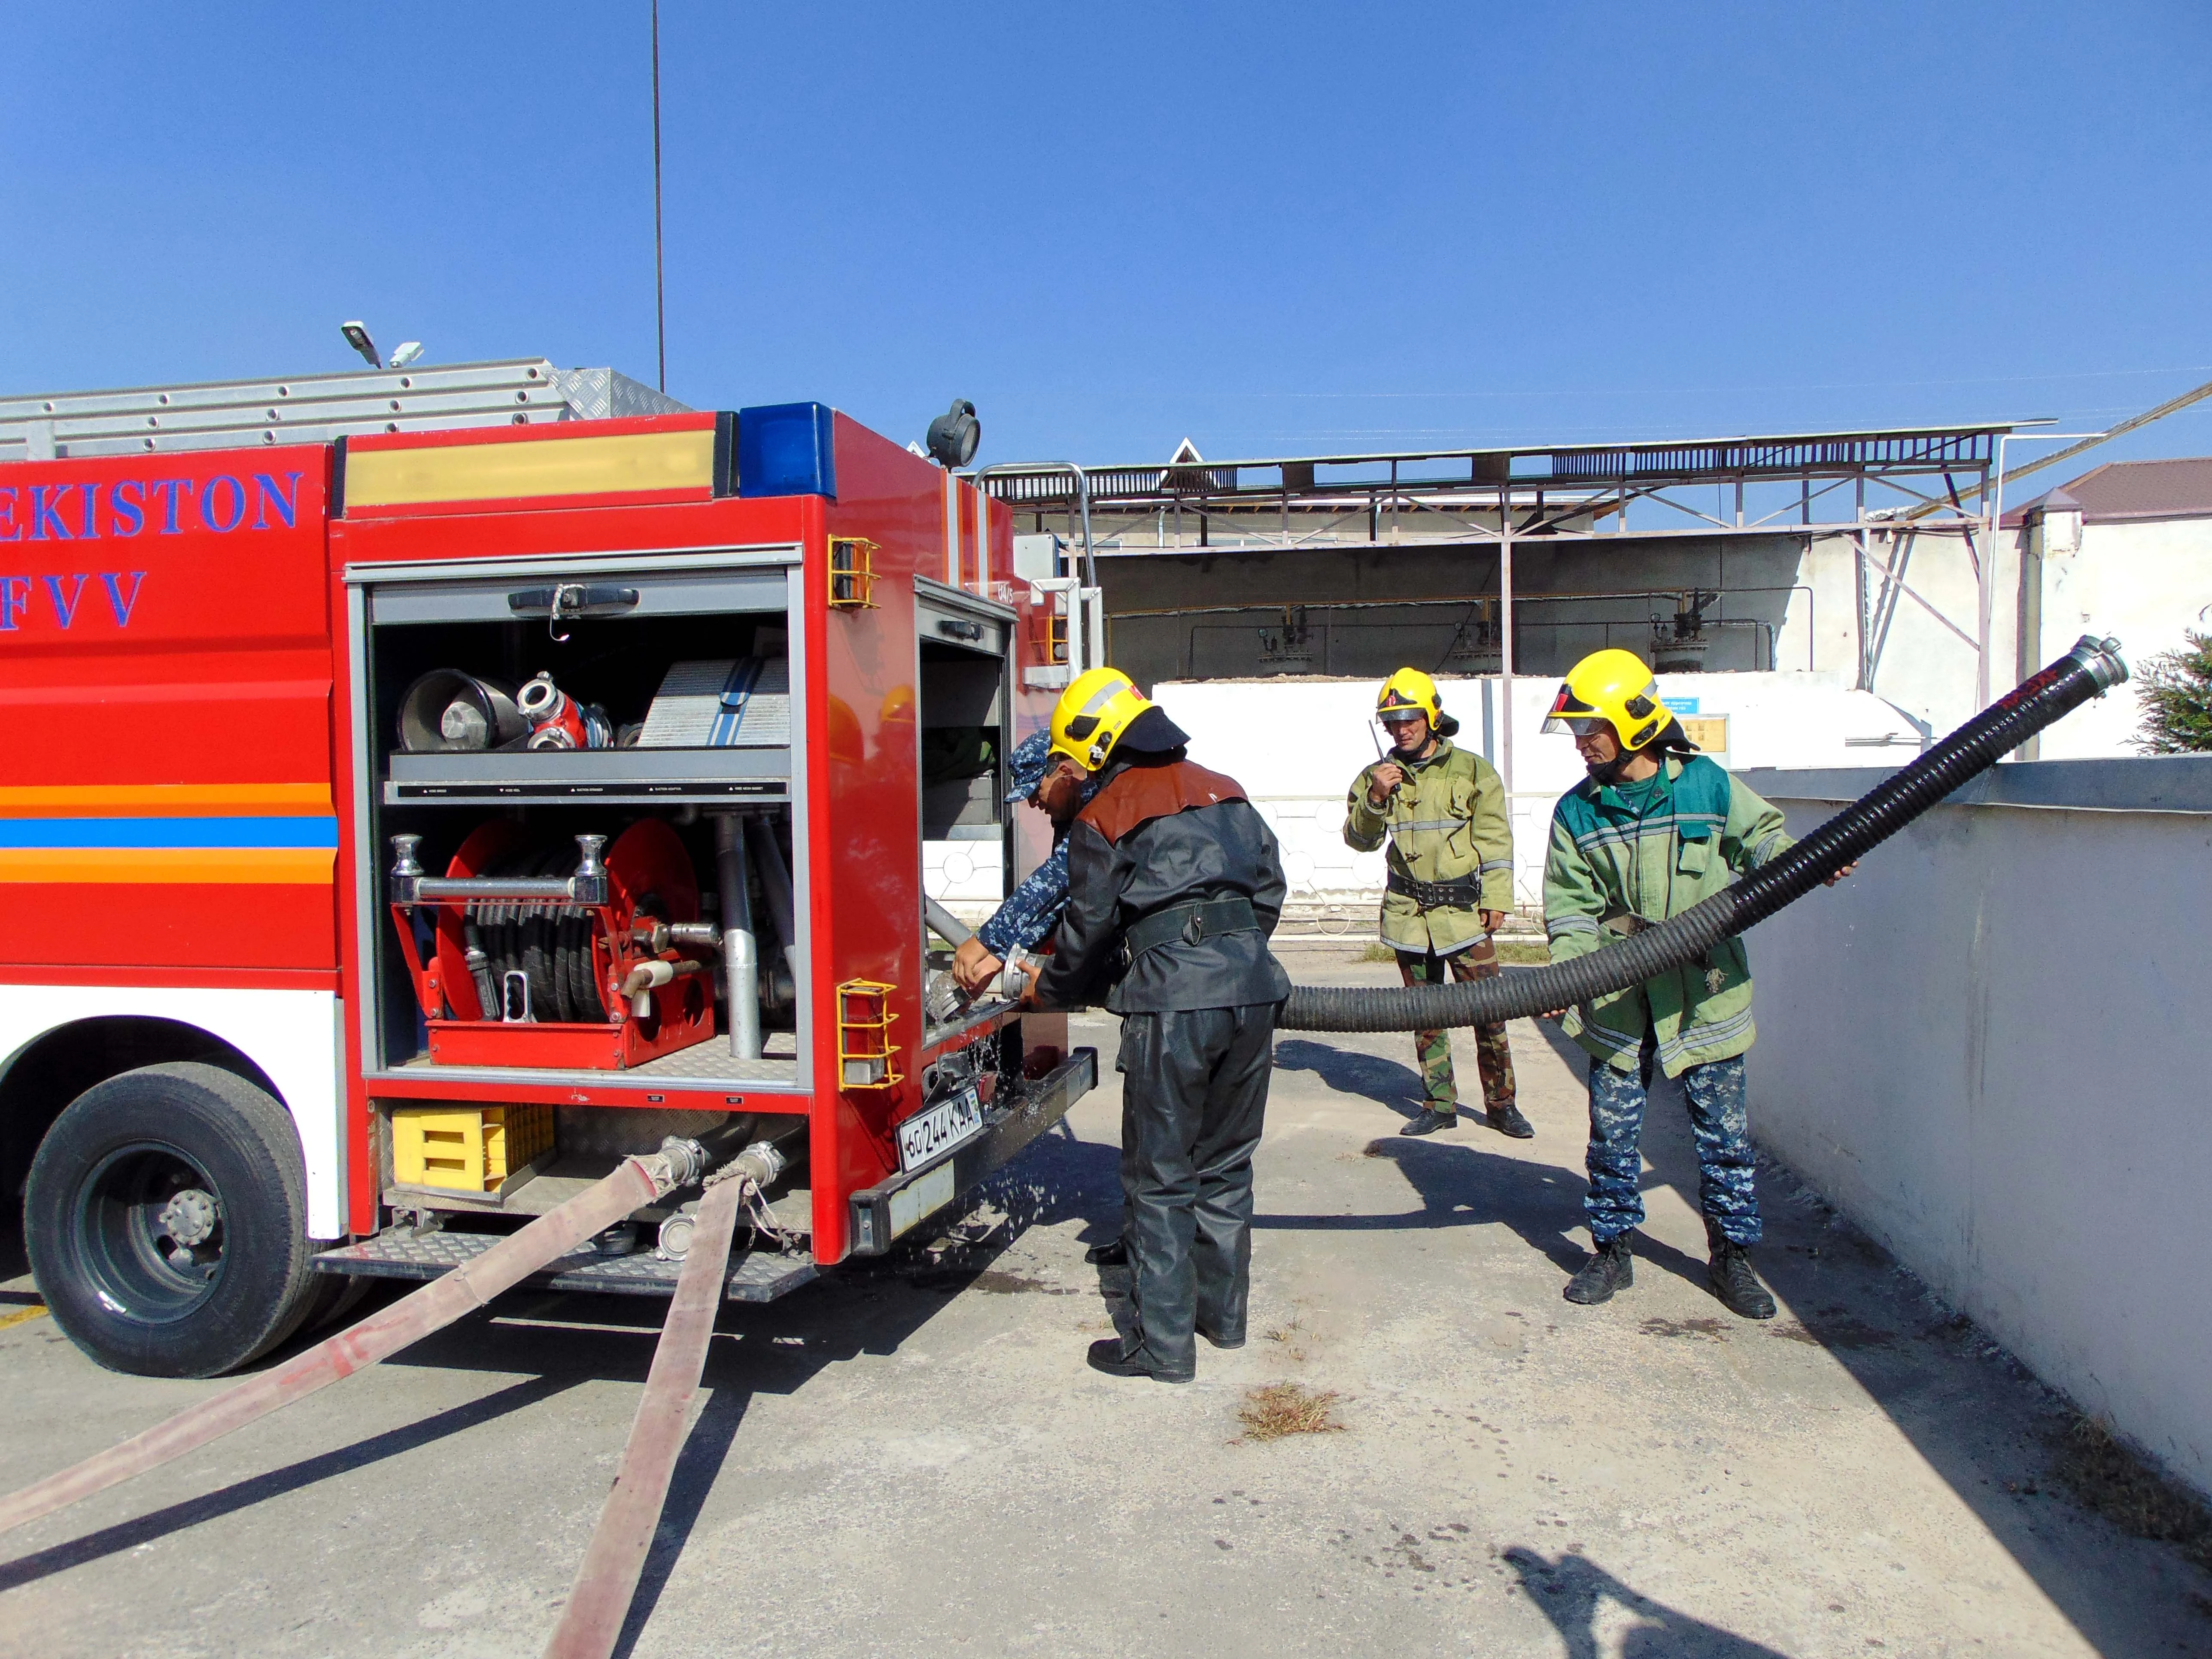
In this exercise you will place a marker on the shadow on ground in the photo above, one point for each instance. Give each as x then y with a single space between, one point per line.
863 1306
1924 1366
1573 1591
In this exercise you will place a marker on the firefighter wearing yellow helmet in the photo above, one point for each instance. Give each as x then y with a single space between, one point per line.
1449 884
1654 828
1174 888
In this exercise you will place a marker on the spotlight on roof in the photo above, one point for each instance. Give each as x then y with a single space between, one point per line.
954 434
357 336
406 354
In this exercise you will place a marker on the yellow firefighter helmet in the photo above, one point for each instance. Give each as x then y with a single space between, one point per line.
1409 691
1092 713
1614 686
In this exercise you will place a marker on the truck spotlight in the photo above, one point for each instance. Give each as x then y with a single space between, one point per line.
954 434
406 354
357 336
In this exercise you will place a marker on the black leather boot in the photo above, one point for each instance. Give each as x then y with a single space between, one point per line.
1732 1279
1117 1359
1430 1122
1610 1268
1114 1253
1506 1119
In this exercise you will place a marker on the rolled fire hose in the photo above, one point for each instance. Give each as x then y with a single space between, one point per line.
2089 669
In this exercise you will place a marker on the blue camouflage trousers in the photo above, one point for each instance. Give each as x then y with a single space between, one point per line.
1719 1122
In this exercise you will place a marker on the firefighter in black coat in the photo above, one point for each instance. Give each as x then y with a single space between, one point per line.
1174 888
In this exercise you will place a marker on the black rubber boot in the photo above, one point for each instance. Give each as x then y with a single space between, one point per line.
1610 1268
1114 1253
1506 1119
1732 1279
1116 1358
1430 1122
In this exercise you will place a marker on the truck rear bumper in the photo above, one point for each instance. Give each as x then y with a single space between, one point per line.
403 1252
882 1213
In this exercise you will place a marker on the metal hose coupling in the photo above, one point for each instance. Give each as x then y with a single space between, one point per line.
2091 668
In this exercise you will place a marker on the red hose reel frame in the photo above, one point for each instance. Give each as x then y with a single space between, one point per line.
649 877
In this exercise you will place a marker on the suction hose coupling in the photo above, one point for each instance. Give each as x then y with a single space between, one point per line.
2091 668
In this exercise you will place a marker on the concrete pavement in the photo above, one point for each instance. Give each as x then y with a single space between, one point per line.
912 1460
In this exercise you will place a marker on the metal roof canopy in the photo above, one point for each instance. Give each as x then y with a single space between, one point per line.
1581 481
314 409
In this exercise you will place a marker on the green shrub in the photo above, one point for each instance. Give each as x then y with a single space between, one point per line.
2177 698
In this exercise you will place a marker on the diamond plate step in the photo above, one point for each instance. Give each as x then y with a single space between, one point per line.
402 1253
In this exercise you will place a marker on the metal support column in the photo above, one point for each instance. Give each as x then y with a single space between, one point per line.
1985 594
1505 643
1865 682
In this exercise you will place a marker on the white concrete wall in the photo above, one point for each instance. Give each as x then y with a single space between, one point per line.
1295 745
2142 582
1999 1070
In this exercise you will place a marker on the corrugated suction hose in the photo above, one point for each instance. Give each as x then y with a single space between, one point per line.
2089 669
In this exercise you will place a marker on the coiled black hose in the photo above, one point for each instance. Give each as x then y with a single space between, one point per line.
2091 669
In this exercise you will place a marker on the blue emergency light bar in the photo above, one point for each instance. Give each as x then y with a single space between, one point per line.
786 449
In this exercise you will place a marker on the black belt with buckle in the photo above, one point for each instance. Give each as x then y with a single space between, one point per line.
1187 924
1460 893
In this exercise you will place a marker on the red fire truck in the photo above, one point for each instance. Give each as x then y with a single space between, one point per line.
425 791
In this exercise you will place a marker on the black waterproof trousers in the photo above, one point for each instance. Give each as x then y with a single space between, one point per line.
1193 1096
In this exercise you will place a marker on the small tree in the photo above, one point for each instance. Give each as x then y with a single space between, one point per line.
2177 698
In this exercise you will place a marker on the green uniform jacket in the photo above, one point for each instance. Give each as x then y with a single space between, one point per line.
1447 820
1605 866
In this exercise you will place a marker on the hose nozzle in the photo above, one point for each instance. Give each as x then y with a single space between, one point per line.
2102 658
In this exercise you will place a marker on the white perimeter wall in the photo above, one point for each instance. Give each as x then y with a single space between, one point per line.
1295 745
2002 1075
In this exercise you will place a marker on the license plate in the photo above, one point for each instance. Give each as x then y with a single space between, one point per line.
939 1129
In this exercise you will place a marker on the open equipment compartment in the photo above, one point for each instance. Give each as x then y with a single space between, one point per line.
582 892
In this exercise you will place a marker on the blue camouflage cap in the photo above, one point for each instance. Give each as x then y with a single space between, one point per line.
1025 767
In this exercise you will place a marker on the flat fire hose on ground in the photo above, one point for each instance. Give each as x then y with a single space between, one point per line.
599 1600
637 1182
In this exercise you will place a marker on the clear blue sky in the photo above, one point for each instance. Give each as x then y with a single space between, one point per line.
1276 228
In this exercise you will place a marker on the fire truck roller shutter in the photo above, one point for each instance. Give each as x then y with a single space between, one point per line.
165 1220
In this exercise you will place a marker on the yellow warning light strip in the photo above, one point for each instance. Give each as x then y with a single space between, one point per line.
622 465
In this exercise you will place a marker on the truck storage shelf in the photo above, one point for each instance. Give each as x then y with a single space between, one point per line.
641 775
404 1252
707 1062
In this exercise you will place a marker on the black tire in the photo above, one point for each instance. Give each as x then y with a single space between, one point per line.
165 1220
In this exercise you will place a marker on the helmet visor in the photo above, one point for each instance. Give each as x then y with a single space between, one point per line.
1575 725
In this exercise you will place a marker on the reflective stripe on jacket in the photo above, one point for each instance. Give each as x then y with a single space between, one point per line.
1447 820
1606 867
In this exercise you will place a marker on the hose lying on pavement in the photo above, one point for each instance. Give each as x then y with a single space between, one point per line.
637 1182
2091 668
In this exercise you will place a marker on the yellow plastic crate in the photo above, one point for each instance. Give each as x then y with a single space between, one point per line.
468 1149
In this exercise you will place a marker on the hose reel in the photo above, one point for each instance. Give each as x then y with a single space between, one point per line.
545 954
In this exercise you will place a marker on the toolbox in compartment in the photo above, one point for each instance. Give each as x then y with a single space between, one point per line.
581 799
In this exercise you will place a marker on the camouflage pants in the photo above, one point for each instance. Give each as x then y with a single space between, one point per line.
1493 1058
1719 1123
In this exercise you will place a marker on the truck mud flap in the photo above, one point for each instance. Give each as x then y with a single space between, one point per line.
755 1276
884 1212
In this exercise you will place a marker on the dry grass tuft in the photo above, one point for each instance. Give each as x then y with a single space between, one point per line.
1376 950
2110 1478
1283 1408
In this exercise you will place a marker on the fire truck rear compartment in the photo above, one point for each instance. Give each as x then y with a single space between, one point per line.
657 703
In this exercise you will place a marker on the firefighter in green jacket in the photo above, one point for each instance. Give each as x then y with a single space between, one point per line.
1449 884
1655 828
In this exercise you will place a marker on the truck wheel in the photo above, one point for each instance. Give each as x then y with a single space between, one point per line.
166 1219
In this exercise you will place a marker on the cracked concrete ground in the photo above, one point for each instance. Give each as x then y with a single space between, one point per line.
914 1459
